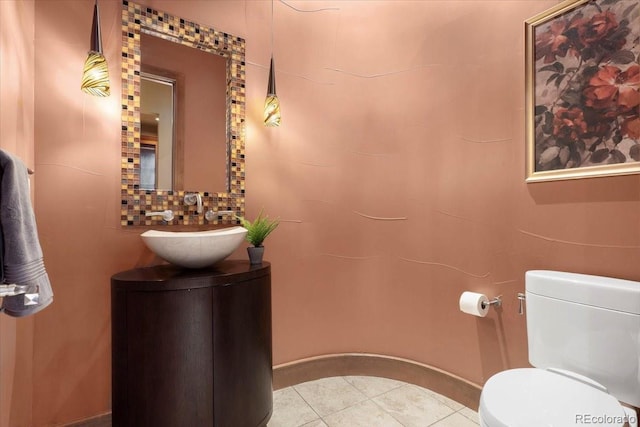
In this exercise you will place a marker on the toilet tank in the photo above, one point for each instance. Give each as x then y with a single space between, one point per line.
586 324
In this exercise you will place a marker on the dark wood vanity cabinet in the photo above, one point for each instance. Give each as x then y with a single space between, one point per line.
192 347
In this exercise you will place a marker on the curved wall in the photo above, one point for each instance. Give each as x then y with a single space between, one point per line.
397 172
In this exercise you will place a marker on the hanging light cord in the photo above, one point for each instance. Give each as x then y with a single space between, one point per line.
272 116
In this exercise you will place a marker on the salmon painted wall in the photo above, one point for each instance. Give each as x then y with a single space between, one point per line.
16 137
77 145
398 173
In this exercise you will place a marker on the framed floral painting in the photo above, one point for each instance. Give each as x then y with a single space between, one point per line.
583 90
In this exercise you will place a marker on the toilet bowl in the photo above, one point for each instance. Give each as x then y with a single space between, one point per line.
532 397
583 336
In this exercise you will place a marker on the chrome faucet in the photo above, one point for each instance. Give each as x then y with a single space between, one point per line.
192 199
167 215
211 215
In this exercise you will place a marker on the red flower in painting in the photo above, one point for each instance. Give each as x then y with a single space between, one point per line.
553 42
597 28
587 86
631 127
597 124
569 123
611 87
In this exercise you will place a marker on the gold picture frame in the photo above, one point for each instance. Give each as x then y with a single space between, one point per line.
583 90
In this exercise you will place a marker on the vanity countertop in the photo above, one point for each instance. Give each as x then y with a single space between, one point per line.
170 277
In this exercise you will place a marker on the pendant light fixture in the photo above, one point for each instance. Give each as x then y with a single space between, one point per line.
95 77
272 116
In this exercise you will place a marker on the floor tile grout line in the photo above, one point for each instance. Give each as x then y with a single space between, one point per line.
441 419
459 411
429 394
308 404
344 409
314 421
385 411
340 410
446 401
321 417
379 394
348 407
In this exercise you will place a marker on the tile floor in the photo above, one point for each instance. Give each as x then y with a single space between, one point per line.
354 401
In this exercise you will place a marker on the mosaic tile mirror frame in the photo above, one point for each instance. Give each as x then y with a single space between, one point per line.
136 202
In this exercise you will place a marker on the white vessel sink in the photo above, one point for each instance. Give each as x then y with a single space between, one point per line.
194 249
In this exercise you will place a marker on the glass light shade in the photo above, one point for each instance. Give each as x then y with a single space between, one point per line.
272 111
272 116
95 77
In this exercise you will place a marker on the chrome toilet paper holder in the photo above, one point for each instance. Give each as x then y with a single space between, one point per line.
497 301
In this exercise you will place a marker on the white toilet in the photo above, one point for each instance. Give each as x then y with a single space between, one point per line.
584 341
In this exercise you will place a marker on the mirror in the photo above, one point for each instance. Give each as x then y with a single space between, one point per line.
183 92
188 85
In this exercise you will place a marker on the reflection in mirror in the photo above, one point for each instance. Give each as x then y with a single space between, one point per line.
193 140
198 145
156 132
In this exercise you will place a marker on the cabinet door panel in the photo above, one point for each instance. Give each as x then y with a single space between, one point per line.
170 358
242 358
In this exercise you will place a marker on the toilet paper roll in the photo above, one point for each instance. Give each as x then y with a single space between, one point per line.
471 303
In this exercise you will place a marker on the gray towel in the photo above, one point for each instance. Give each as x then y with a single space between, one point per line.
20 252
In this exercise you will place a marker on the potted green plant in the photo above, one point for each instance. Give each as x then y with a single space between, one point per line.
257 231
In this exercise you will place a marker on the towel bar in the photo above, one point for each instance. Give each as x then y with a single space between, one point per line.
13 290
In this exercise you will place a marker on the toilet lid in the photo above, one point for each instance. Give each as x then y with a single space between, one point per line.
535 397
